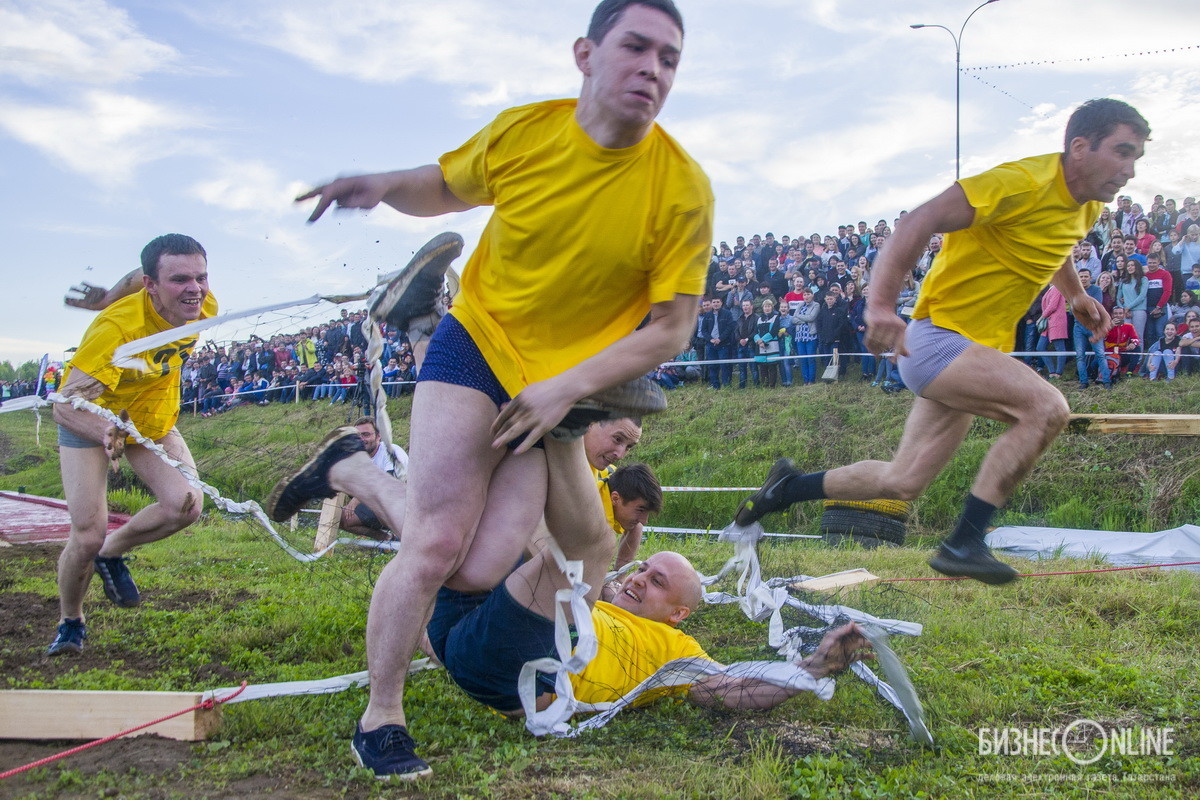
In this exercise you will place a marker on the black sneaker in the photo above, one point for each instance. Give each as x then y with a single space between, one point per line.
389 752
118 583
767 499
71 633
974 560
413 299
312 479
637 398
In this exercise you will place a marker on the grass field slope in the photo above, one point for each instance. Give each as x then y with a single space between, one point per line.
223 604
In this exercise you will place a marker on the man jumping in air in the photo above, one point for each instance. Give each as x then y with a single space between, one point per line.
1011 232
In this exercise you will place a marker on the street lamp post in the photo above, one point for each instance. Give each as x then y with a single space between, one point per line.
957 82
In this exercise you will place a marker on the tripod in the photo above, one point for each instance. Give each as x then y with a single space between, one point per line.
361 401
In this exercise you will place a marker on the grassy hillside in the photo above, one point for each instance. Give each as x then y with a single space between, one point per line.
730 438
224 604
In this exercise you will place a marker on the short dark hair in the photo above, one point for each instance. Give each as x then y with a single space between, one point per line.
609 12
1096 119
170 244
367 421
637 482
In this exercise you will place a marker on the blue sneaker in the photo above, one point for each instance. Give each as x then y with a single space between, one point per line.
118 583
71 633
389 752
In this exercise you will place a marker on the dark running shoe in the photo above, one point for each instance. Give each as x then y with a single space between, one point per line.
637 398
312 479
71 633
118 583
974 560
413 297
389 752
769 498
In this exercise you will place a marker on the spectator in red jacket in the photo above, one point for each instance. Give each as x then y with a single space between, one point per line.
1121 344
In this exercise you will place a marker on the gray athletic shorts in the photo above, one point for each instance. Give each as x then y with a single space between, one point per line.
930 350
68 439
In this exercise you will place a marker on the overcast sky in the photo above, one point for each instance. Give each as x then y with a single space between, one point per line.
123 120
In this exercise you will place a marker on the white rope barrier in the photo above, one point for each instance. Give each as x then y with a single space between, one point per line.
223 503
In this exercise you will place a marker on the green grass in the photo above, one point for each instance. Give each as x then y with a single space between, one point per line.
223 604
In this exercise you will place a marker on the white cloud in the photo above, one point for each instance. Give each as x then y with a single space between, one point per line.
252 186
105 135
80 41
501 51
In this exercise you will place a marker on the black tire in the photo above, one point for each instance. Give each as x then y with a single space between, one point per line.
865 527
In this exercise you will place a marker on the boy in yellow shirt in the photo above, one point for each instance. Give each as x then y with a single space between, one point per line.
169 290
1011 231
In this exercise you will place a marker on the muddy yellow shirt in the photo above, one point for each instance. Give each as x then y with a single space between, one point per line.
606 497
1026 223
151 397
631 649
581 241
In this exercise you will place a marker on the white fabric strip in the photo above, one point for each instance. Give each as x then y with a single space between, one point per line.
225 504
324 686
125 355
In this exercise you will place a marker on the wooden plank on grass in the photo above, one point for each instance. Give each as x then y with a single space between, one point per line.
838 580
51 714
331 518
1158 424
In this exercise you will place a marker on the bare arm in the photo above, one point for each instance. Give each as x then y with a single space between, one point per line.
542 405
419 192
85 424
627 549
838 650
1087 310
947 212
97 298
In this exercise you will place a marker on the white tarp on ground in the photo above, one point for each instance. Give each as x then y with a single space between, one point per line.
1119 548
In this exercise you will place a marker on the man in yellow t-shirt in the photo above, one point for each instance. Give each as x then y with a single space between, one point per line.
170 290
484 639
1011 231
599 218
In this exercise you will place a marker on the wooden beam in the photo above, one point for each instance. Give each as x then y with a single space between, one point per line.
331 518
1159 424
51 714
838 580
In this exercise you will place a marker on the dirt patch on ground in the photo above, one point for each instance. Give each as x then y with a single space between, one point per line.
144 766
799 739
148 767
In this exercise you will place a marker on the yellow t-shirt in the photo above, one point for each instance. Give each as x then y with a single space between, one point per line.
1026 223
582 239
631 649
602 476
151 398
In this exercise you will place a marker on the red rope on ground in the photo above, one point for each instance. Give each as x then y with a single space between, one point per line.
210 703
1047 574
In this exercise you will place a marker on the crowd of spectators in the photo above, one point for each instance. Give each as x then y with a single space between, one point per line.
782 307
323 362
17 388
778 309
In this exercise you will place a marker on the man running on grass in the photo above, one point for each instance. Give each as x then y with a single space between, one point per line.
484 639
600 217
1011 231
170 289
